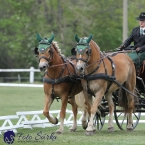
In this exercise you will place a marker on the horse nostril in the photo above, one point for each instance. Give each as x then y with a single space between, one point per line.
42 68
81 69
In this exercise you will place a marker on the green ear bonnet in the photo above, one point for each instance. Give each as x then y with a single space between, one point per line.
82 44
44 44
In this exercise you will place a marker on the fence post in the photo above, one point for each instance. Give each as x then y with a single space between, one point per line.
31 75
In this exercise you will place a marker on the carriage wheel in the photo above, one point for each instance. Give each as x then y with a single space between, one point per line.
122 119
99 121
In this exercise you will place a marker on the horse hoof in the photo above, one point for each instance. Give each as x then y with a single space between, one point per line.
58 132
84 125
89 133
130 129
111 129
56 120
94 131
72 130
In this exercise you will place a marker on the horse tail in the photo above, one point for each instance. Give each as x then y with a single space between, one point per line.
122 98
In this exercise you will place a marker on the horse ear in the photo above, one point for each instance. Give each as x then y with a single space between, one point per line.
38 37
36 51
51 39
77 38
89 39
73 51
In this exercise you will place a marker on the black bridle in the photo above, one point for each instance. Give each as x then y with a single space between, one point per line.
88 54
51 53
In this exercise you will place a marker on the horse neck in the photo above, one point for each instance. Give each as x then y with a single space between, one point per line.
56 65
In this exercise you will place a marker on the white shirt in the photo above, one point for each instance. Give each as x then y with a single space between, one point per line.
143 30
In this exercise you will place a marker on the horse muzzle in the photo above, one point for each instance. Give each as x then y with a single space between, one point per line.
80 69
43 66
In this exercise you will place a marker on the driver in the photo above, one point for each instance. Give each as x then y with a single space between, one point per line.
138 37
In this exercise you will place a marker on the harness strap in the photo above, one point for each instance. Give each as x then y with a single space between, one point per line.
113 73
73 78
107 77
52 94
100 76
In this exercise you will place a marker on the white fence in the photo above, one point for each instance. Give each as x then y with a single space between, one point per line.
23 120
30 119
31 70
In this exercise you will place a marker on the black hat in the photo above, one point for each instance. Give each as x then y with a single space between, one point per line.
141 16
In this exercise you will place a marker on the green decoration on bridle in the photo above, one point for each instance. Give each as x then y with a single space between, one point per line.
44 44
82 44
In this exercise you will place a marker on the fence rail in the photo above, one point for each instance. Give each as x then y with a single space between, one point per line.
32 71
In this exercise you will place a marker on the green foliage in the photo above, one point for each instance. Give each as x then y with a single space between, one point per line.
22 20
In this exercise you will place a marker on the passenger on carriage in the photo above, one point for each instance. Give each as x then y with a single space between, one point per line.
138 37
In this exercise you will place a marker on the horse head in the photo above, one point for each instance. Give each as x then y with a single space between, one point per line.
83 51
44 51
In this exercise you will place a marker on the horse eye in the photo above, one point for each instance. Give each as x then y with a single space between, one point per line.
87 52
49 51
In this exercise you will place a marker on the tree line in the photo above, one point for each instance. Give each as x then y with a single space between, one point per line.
21 20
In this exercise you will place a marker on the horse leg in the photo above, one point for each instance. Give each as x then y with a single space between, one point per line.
108 97
85 119
87 109
130 111
98 97
47 104
88 102
64 100
75 111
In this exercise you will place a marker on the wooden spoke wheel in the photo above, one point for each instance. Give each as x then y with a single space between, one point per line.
122 119
99 121
100 117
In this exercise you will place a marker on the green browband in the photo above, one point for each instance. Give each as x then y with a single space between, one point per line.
43 47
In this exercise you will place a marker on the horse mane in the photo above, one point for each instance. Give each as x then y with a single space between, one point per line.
56 47
96 44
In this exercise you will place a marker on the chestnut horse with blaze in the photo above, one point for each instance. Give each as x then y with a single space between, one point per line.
60 80
102 75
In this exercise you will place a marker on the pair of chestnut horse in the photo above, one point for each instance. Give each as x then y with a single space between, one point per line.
91 73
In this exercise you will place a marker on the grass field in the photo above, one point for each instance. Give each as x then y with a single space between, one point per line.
13 99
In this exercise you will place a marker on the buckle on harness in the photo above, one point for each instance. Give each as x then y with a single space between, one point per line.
56 81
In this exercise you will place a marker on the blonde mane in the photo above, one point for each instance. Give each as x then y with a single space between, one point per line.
94 42
55 44
96 45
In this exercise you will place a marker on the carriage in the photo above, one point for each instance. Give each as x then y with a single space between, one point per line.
67 77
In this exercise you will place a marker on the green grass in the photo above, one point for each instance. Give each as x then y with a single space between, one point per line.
13 99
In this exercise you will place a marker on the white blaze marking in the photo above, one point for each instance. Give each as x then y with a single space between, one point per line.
80 60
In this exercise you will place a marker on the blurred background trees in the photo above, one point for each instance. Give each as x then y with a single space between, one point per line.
20 20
